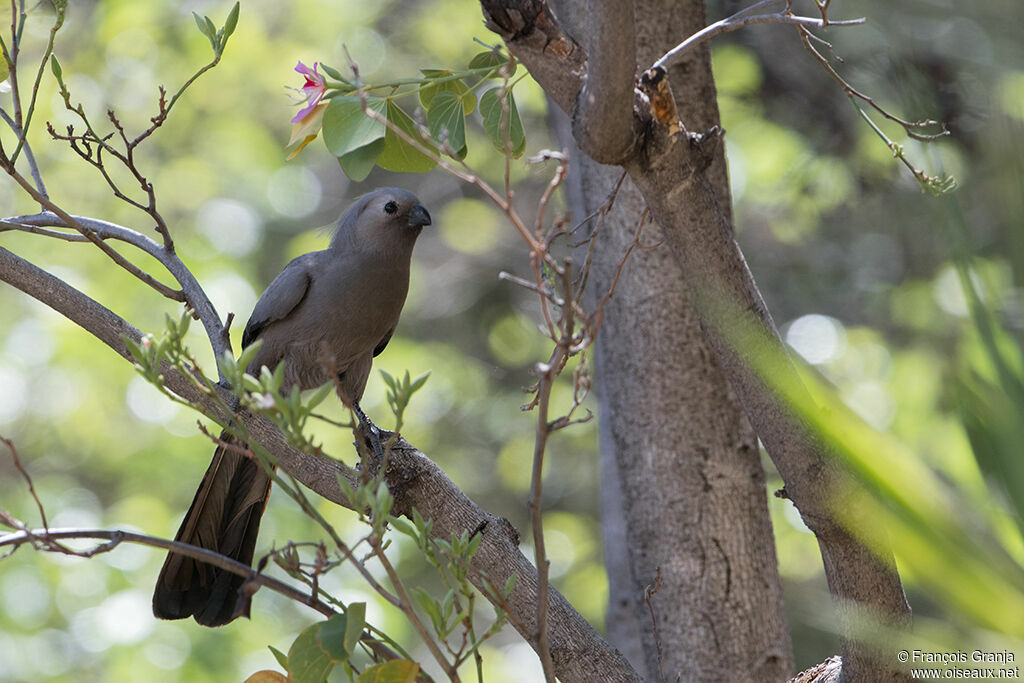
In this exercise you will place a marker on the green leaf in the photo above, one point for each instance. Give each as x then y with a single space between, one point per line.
204 28
307 662
347 127
333 73
282 658
331 638
251 384
249 354
400 155
455 85
232 21
228 366
490 109
322 393
58 73
136 350
418 383
403 526
492 59
395 671
354 625
510 584
429 607
447 122
358 163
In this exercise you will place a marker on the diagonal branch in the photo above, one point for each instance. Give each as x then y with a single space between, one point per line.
414 480
98 231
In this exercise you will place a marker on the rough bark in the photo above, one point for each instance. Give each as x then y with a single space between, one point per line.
678 455
675 175
579 653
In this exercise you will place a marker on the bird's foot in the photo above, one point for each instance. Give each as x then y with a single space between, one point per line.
376 436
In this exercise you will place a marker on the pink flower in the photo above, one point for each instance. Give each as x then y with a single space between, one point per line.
311 92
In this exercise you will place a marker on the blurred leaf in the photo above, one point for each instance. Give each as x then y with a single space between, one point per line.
447 122
354 625
395 671
906 507
267 676
58 73
399 154
205 26
281 657
497 130
333 73
232 22
307 662
331 637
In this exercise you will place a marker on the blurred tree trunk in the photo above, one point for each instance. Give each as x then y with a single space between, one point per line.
683 489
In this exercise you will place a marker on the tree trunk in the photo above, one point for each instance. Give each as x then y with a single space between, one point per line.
683 487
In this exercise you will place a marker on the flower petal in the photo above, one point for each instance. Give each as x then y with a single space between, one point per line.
308 125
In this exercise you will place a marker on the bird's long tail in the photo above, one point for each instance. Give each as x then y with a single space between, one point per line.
225 518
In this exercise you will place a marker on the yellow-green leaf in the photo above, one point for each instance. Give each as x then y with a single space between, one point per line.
395 671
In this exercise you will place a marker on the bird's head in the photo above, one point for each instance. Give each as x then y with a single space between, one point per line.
386 218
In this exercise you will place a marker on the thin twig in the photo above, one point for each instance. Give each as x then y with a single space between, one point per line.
28 479
649 592
909 126
406 606
741 20
46 539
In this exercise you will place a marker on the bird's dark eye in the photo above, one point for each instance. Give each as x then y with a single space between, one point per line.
391 207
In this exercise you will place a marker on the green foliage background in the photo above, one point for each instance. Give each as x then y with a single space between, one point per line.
855 262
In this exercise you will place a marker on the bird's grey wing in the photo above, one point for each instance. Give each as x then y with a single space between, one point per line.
286 292
382 344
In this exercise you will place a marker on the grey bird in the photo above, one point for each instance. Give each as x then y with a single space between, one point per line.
340 306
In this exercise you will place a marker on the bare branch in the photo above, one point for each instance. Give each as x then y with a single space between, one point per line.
93 230
46 539
741 20
28 479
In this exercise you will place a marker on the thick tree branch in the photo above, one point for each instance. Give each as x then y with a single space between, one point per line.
578 652
531 31
670 172
603 123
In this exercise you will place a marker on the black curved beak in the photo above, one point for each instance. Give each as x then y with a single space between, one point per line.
419 216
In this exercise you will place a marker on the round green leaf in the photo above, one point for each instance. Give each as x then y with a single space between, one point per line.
399 155
358 163
447 122
307 662
347 127
331 638
492 59
455 85
490 109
